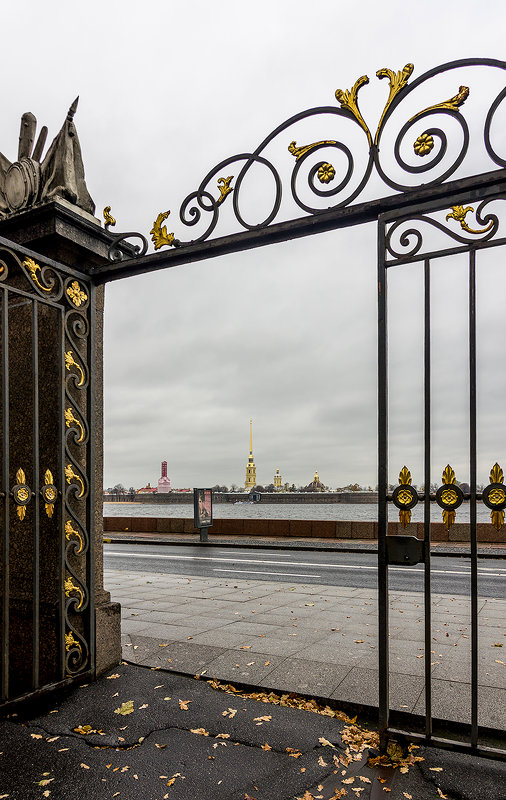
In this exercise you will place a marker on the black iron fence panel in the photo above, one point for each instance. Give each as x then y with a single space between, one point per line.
429 235
46 567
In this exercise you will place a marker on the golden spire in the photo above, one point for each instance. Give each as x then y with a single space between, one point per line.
251 472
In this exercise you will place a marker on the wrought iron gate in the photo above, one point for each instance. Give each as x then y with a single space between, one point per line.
46 422
423 171
46 568
405 239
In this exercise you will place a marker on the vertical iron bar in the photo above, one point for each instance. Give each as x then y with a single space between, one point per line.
383 654
426 510
90 467
60 482
472 505
36 509
6 491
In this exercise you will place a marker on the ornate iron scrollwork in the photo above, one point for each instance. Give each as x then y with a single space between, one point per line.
428 144
405 497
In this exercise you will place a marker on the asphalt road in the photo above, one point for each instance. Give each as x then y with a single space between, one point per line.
448 575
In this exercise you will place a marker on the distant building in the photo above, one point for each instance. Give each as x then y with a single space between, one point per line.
164 486
251 470
147 489
316 485
278 484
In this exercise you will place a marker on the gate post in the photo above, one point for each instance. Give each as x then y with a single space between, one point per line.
62 231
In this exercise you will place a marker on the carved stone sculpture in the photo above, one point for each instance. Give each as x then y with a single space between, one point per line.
30 180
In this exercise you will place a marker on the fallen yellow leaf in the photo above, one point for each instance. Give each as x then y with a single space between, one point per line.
125 708
183 704
111 677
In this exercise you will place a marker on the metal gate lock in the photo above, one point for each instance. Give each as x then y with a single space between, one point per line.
404 550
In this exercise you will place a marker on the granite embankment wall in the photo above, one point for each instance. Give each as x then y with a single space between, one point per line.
267 497
298 528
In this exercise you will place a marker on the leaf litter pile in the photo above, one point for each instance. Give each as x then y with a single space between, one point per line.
356 740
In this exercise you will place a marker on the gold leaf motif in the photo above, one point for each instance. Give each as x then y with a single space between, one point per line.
405 477
459 214
497 518
20 476
71 587
48 477
348 100
225 188
397 82
496 474
109 220
448 518
298 152
69 419
453 104
159 235
70 531
33 268
70 476
405 516
76 294
448 475
70 641
70 362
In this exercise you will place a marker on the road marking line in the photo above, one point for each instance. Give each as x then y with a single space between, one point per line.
258 572
295 563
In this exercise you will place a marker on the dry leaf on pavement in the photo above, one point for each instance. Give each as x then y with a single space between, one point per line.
125 708
183 704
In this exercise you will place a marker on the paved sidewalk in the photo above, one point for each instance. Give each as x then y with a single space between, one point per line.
313 639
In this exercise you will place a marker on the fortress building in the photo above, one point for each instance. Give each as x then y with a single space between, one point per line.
251 470
164 486
278 486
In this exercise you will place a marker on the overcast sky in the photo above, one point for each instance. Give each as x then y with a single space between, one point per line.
285 335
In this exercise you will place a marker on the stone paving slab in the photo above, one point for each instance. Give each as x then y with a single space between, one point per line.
314 639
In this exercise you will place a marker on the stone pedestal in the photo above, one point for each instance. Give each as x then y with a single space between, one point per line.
73 237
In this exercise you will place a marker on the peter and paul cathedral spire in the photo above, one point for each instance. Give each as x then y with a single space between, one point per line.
251 470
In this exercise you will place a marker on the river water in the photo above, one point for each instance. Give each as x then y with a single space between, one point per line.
359 512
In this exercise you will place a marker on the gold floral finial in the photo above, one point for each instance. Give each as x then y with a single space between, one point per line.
225 188
159 235
404 497
459 213
108 218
